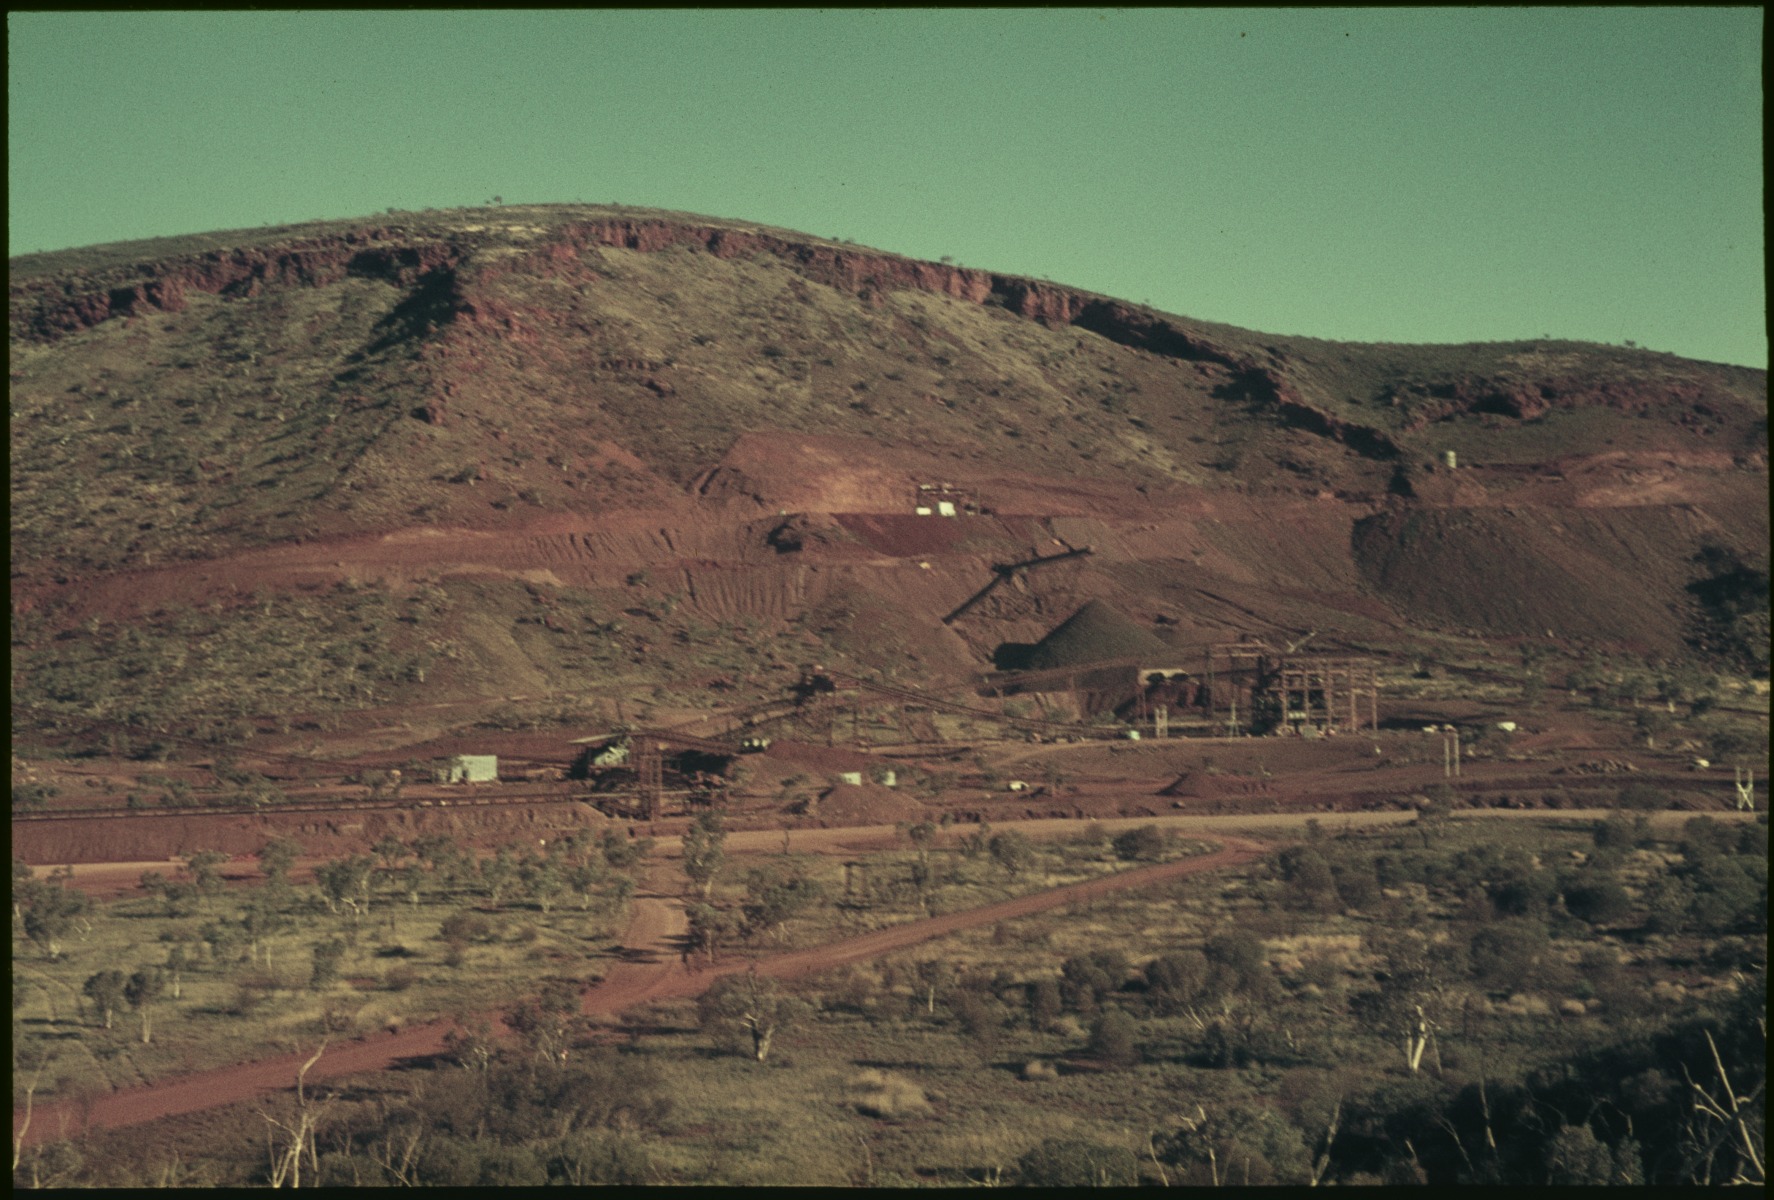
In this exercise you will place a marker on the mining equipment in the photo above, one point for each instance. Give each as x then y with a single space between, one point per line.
1003 572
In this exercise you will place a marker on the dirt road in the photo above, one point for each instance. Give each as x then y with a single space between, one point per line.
649 967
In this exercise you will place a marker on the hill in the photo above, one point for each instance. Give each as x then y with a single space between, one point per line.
591 457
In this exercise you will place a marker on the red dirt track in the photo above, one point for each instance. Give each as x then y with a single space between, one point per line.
651 968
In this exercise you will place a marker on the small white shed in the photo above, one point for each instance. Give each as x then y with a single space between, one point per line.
474 768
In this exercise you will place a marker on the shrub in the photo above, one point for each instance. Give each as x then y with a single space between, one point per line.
1598 899
1112 1039
466 926
888 1096
1144 844
1075 1163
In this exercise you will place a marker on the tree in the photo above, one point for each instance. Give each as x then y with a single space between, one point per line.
1576 1157
775 895
1075 1163
922 836
204 868
1144 844
933 974
498 873
276 857
107 992
1086 978
1597 897
1506 953
542 880
23 880
1112 1039
711 928
177 963
980 1017
51 912
1236 1144
620 852
1012 851
143 991
547 1023
1044 1002
345 881
1310 884
748 1011
180 899
327 957
259 922
705 851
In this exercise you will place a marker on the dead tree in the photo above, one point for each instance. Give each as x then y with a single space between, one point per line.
286 1163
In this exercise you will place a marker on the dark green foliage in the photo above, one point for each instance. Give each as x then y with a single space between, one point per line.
106 990
1013 852
1507 954
1144 843
1620 832
1113 1039
467 926
327 957
1075 1163
775 894
704 850
1237 1144
1574 1157
980 1015
1177 981
1086 978
1310 885
601 1157
746 1012
1045 1004
32 795
50 909
1597 897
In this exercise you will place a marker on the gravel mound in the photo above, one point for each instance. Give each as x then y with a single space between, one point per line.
1095 632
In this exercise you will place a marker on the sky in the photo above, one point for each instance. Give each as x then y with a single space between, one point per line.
1401 175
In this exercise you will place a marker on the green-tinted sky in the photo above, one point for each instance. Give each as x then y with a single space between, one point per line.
1373 175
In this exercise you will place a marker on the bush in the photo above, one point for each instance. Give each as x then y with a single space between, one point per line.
466 926
1086 978
603 1157
1075 1163
1144 844
1597 899
1505 955
1112 1039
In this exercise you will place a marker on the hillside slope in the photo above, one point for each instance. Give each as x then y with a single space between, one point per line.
581 454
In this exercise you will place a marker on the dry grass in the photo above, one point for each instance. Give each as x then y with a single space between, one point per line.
888 1096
